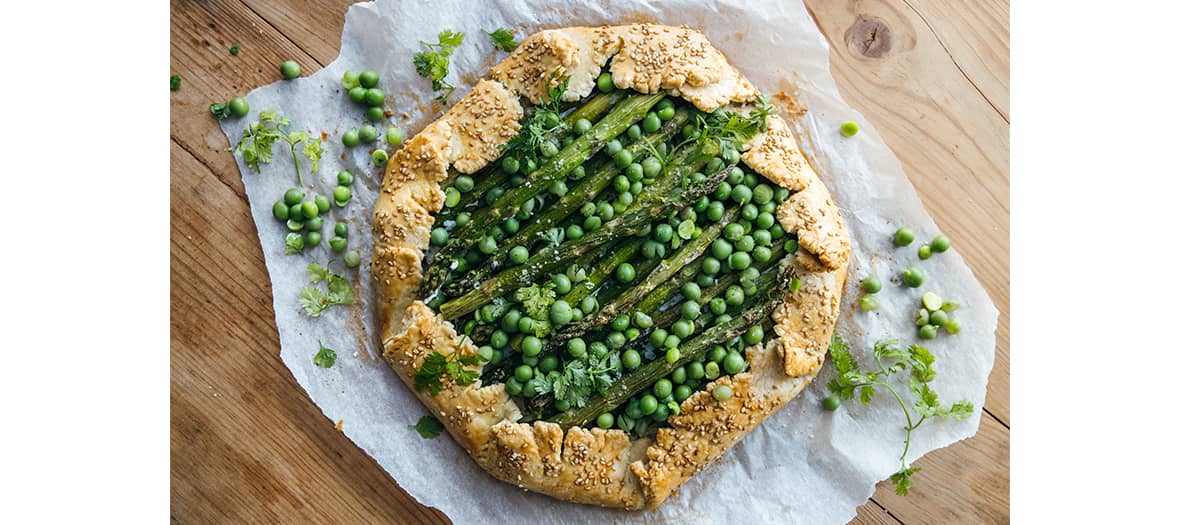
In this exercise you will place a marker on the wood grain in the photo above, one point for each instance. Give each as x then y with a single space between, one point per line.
249 446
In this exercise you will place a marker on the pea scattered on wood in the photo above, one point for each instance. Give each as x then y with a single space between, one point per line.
289 69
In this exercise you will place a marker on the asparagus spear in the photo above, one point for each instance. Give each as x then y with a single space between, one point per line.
567 205
551 258
662 272
492 176
649 373
627 112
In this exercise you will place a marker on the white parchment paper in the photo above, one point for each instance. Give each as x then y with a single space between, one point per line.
803 465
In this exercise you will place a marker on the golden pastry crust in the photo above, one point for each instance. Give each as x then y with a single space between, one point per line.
595 466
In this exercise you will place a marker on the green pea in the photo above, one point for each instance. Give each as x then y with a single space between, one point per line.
368 134
723 191
621 183
561 313
375 114
592 223
928 332
695 370
513 387
314 238
912 277
510 165
849 128
722 393
549 148
350 138
462 219
631 359
658 337
940 244
350 79
625 273
574 232
518 254
952 326
734 363
294 225
831 403
691 290
939 318
338 244
663 232
673 354
589 305
357 94
634 132
368 78
487 245
754 335
576 347
717 354
739 261
605 420
606 211
666 113
870 284
439 236
523 373
710 266
869 303
734 295
578 173
238 107
718 306
777 232
714 165
605 83
510 323
561 283
924 252
706 280
790 245
315 224
613 147
293 196
733 231
741 194
681 329
903 236
648 404
620 323
281 211
581 126
763 194
745 244
352 258
721 249
651 123
662 388
622 158
652 167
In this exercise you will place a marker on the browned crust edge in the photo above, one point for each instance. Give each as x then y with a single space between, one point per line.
595 466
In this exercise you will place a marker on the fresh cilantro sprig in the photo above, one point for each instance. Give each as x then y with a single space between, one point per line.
325 358
541 125
503 39
725 128
435 63
259 137
851 381
314 301
436 366
428 427
536 299
580 378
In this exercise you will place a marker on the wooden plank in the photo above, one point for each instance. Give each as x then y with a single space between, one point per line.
248 446
952 143
975 35
872 513
314 25
201 35
964 483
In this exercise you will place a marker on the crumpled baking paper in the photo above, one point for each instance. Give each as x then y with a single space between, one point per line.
803 465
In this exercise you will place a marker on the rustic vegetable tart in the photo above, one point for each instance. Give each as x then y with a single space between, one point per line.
606 264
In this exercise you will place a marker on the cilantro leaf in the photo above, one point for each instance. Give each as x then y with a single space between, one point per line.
313 301
536 300
325 358
891 359
435 366
434 63
428 427
317 273
313 150
503 39
219 109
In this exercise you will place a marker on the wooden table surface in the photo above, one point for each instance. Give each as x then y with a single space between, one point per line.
248 446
